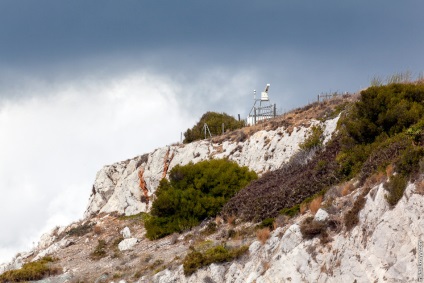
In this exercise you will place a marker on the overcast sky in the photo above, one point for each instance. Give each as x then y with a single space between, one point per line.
88 83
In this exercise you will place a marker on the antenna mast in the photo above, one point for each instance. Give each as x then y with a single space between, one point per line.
206 129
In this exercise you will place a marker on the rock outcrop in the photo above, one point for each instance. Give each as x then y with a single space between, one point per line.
127 244
382 248
126 187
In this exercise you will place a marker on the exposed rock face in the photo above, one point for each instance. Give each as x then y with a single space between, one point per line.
127 244
321 215
54 247
382 248
126 233
126 187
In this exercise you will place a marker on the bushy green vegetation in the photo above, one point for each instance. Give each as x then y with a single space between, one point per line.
291 211
314 139
384 127
197 259
351 218
193 193
100 250
267 223
214 121
385 110
395 187
81 230
311 228
36 270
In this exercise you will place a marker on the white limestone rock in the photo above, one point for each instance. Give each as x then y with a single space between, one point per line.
54 247
126 233
166 276
46 240
321 215
291 238
127 244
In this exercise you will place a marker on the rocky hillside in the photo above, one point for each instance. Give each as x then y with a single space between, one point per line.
339 199
127 187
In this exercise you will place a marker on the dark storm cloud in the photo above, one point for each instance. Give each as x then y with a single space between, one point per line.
47 31
301 47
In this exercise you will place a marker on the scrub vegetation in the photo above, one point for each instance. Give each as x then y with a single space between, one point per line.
193 193
198 259
214 121
384 127
36 270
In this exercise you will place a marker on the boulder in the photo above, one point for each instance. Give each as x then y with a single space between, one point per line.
127 244
321 215
126 233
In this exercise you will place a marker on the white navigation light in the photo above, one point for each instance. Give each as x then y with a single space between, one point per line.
264 94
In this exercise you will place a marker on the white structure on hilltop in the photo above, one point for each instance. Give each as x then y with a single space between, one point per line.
262 108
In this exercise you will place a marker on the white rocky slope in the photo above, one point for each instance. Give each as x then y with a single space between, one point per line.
382 248
126 187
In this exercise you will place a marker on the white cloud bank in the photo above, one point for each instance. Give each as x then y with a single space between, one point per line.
54 141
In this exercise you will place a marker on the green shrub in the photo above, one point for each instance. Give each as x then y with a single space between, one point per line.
387 109
80 230
194 193
214 121
383 127
36 270
210 229
292 211
196 259
395 188
351 218
311 228
135 217
100 250
416 132
267 223
409 160
314 139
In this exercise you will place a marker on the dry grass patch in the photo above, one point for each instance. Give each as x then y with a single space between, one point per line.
231 220
97 230
315 204
219 220
389 170
375 179
263 235
347 188
419 187
303 207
